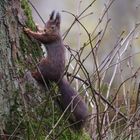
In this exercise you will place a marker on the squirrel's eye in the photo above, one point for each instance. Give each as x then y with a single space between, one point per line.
52 27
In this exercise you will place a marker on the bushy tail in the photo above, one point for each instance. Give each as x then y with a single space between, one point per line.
76 106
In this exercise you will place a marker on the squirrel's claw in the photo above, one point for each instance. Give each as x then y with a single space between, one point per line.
38 28
26 30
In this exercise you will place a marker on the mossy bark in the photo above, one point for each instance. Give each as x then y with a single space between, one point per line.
26 110
14 51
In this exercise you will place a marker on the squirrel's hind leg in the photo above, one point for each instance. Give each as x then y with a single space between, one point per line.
38 77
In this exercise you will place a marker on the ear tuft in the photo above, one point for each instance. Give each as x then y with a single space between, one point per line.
58 19
52 15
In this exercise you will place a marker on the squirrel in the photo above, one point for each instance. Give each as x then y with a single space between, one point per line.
52 68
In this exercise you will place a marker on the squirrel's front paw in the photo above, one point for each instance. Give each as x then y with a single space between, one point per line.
39 29
27 30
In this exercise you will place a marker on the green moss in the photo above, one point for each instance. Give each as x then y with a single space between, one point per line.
74 136
13 119
36 120
29 48
27 10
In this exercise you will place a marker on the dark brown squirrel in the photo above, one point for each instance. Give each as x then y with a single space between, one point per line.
52 68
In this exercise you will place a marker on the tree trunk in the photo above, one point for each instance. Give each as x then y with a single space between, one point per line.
14 60
9 53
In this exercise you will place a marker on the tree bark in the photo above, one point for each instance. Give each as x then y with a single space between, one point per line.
14 61
9 52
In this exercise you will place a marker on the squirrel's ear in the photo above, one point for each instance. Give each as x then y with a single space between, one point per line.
52 15
58 19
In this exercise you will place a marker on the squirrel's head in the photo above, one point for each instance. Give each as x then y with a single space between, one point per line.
53 24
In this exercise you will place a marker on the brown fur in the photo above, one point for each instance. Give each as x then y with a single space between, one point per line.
52 69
